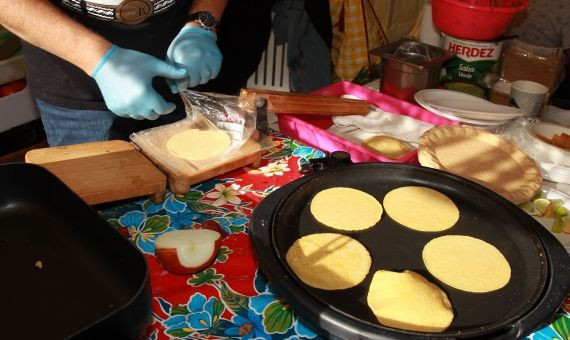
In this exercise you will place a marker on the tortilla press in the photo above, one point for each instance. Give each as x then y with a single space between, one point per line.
108 171
102 172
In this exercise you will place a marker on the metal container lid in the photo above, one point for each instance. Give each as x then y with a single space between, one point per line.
413 53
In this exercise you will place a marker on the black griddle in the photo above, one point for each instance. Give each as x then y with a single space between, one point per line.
66 273
540 275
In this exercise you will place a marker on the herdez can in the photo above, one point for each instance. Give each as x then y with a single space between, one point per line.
473 68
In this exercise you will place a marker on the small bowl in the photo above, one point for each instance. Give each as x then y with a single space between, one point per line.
547 151
482 20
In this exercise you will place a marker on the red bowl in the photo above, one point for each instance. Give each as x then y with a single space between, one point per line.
475 19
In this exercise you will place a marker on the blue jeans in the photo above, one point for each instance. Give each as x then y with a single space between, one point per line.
69 126
65 126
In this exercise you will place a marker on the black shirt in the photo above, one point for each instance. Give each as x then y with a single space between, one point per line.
58 82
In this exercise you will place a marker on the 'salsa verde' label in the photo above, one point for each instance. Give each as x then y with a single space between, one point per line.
472 61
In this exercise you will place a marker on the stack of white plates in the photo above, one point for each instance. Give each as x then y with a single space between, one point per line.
554 172
561 117
465 108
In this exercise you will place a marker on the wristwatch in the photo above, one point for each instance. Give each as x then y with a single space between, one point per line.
205 19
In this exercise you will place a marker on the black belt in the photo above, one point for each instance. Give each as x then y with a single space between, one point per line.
128 11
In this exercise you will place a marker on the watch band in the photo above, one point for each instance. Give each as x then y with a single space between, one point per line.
205 19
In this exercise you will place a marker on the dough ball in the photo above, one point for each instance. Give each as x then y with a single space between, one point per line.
388 146
408 301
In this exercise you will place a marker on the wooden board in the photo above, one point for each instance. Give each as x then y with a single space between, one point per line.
179 181
103 171
303 104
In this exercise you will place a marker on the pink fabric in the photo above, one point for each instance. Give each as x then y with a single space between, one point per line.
312 130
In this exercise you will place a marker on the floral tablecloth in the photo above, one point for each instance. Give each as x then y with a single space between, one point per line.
231 299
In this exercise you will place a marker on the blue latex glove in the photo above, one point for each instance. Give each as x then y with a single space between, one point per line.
195 50
125 80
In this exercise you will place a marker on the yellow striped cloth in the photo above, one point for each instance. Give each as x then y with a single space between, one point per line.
349 49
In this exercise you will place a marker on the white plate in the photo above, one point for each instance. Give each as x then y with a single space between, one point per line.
469 106
552 193
479 111
423 98
451 116
561 117
428 95
480 116
543 149
555 173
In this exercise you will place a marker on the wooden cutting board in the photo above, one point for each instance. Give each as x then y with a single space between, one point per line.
103 171
181 178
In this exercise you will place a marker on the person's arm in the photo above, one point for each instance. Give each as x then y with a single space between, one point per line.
124 76
42 24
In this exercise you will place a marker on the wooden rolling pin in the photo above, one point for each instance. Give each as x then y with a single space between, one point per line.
298 103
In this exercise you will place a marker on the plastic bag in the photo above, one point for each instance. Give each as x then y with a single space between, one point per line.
516 132
222 110
523 61
206 112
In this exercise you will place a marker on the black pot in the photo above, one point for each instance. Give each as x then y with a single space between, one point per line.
67 272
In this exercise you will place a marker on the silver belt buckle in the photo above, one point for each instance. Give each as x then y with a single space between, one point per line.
132 12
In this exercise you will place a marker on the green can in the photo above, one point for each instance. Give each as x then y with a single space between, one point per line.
474 67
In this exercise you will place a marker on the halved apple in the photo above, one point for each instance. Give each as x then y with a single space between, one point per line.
187 251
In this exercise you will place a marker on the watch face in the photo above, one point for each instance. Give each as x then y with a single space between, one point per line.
207 19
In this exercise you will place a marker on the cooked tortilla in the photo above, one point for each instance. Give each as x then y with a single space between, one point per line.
421 208
408 301
466 263
346 208
329 261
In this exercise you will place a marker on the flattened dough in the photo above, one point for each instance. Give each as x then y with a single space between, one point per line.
466 263
408 301
391 147
196 144
346 208
329 261
421 208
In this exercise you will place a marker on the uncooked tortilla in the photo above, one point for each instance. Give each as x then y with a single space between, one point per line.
346 208
391 147
329 261
421 208
196 144
466 263
408 301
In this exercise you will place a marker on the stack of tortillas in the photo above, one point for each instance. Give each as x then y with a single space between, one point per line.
482 157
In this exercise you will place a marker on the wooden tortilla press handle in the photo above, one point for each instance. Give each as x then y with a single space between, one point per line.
304 104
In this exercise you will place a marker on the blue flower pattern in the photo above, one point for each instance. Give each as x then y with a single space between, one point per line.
248 328
134 222
200 317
